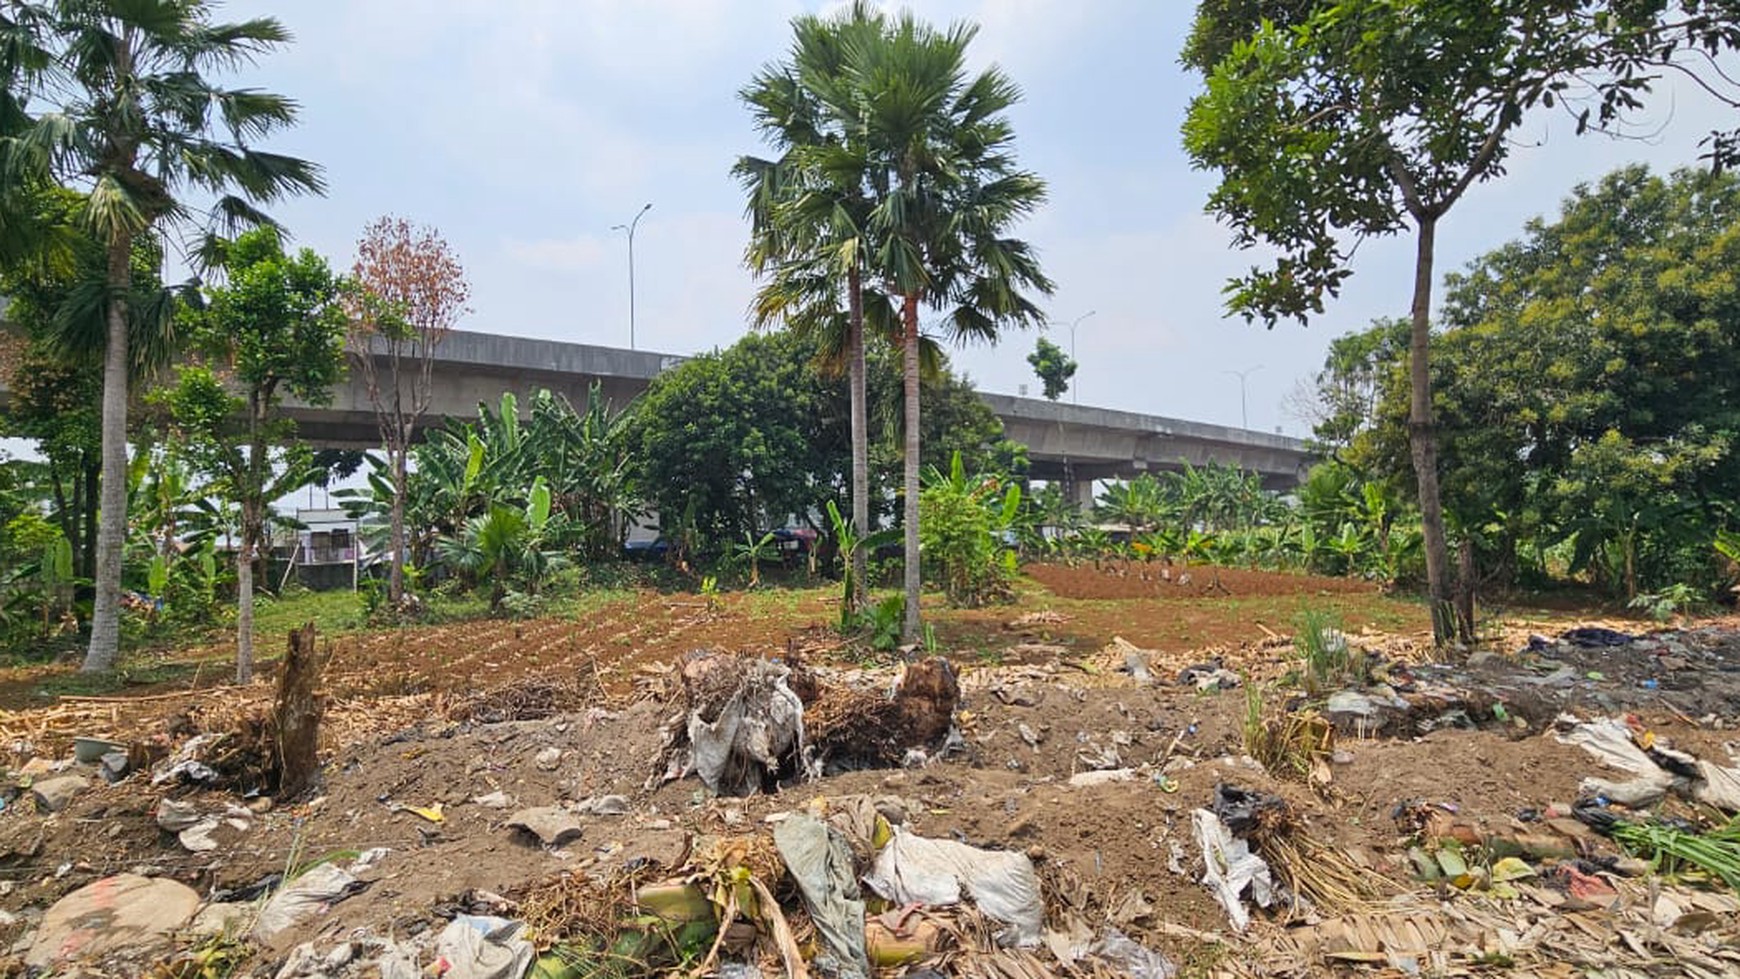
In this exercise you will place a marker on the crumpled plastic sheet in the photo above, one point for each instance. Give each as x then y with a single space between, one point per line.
761 723
819 859
1139 962
310 894
475 946
915 870
1609 739
1230 867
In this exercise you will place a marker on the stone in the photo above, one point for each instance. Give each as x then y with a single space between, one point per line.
54 794
176 816
605 805
551 825
36 768
223 917
121 913
548 759
494 800
113 766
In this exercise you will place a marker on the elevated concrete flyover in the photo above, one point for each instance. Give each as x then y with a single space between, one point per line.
1079 444
1071 443
471 368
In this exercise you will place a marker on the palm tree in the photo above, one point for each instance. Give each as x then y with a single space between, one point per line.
944 190
808 211
140 127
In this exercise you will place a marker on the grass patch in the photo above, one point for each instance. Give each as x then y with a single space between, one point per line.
1331 662
116 680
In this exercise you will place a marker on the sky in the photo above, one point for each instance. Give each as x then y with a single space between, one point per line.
525 129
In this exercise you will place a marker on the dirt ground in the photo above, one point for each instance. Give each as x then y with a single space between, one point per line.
409 726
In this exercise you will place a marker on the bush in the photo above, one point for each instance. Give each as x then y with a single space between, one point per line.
963 533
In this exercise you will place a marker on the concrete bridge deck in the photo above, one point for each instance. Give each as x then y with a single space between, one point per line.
1077 443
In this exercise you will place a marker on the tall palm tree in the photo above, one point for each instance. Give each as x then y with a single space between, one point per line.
944 190
808 211
140 127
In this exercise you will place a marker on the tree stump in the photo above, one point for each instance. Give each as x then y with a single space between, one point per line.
297 714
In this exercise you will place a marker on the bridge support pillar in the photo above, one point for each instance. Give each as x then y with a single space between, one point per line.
1081 491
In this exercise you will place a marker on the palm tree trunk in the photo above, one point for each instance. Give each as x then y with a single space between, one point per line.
860 436
1423 439
909 359
112 520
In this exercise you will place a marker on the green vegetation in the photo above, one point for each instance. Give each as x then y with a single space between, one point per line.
1585 382
1052 366
1569 414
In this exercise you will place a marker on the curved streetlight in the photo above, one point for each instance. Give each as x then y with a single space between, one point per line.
629 227
1074 391
1244 418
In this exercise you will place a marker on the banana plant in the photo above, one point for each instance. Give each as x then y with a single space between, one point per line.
851 543
752 551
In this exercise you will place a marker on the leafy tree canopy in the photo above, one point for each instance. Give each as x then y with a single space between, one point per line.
1053 367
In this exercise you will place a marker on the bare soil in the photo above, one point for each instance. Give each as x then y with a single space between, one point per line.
1040 703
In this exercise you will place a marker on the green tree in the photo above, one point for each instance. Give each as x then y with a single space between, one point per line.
276 327
58 302
1353 118
134 119
1052 366
945 192
1589 382
741 437
809 213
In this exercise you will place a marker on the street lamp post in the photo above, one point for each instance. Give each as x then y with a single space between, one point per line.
1244 416
629 227
1074 390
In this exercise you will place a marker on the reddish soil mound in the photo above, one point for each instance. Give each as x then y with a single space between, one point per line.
1135 579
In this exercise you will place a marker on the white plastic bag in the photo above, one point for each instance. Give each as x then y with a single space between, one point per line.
915 870
1230 867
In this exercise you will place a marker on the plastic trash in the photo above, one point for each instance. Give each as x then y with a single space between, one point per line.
819 859
1231 868
310 894
1609 739
759 723
1595 637
475 946
915 870
1120 951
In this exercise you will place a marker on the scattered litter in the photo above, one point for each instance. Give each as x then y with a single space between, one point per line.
494 800
1118 950
1208 676
482 947
1230 868
743 720
215 830
915 870
432 813
605 805
312 893
819 859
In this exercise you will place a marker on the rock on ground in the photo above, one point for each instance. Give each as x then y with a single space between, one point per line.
115 914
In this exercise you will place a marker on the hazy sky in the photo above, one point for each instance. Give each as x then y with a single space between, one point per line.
524 129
